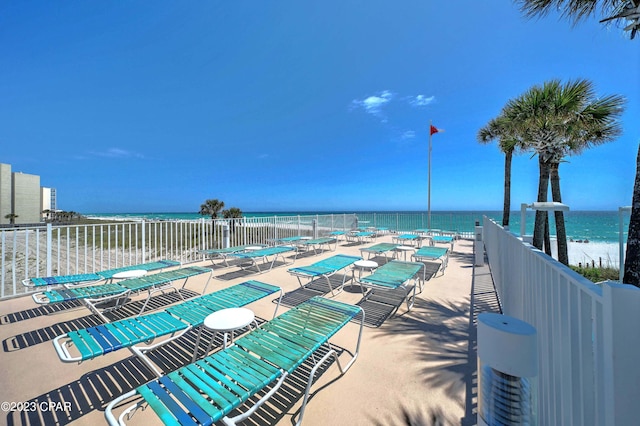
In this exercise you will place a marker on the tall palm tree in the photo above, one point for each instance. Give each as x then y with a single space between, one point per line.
499 129
557 120
632 256
626 12
211 207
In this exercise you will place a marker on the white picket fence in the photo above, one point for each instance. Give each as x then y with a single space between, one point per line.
588 336
76 249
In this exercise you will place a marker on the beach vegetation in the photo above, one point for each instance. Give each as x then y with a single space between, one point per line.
555 120
624 12
212 208
12 218
60 216
500 129
232 213
597 273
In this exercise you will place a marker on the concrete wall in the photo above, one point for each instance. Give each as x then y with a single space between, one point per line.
5 192
26 198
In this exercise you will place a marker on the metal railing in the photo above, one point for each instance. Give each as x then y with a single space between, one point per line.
46 250
587 333
49 250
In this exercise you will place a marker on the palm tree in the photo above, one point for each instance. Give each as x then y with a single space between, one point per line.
627 11
557 120
614 10
211 208
12 218
499 129
232 213
632 256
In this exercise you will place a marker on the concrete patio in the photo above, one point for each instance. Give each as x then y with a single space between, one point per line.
417 367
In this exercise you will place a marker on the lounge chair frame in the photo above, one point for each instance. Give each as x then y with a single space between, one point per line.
394 275
380 249
170 323
93 277
114 295
225 253
252 258
413 240
316 244
211 388
325 268
439 254
361 236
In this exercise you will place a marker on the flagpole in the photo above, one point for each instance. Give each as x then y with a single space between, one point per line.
429 182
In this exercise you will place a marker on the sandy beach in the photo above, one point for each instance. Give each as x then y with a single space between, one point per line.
603 254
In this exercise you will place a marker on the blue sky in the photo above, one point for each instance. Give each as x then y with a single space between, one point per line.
287 105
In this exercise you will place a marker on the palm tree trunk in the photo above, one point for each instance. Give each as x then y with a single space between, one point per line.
561 232
543 189
632 257
506 209
547 238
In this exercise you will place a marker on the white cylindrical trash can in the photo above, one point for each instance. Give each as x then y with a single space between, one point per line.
507 371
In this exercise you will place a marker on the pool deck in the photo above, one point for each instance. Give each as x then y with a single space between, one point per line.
416 367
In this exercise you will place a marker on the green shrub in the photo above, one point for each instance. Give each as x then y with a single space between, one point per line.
597 274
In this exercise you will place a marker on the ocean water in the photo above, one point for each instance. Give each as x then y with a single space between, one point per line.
583 226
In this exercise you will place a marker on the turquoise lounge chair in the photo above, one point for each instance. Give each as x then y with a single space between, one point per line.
116 294
254 256
379 249
325 268
361 236
408 239
208 390
394 275
317 243
337 234
96 276
224 253
443 239
440 254
174 322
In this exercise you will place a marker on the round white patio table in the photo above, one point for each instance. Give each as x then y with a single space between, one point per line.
225 321
404 250
364 265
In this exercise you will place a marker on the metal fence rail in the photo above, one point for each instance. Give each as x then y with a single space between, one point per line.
587 333
47 250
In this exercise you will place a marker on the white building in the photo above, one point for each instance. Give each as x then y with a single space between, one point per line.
22 200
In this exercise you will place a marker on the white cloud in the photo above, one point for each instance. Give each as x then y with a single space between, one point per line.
421 100
409 134
116 153
374 104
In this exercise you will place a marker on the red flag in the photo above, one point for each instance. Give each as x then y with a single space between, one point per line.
433 130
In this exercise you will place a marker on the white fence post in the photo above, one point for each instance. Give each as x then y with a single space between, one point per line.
49 242
144 241
621 339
